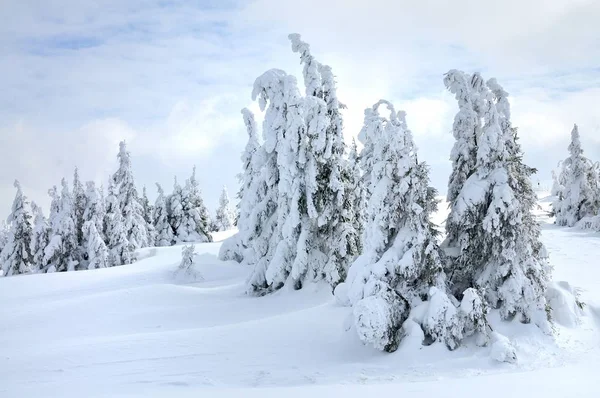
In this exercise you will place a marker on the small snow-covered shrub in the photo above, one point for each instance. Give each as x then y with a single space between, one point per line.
186 272
473 311
567 309
441 321
231 249
378 319
341 295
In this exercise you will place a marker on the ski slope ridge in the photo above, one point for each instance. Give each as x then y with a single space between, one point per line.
135 331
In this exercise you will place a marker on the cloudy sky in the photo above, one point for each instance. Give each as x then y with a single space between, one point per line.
171 76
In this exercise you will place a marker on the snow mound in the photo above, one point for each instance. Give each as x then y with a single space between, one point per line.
566 307
502 349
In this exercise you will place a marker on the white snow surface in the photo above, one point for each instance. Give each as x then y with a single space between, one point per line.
136 331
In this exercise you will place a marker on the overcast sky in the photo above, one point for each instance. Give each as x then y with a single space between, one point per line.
171 76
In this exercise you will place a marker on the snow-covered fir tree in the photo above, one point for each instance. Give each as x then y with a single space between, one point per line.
493 237
579 196
120 251
272 250
79 205
225 216
401 266
95 210
40 237
3 235
148 211
329 177
96 250
164 231
129 201
466 129
15 257
195 221
249 195
368 136
61 253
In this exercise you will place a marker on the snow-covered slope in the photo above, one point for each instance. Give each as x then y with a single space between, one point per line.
134 331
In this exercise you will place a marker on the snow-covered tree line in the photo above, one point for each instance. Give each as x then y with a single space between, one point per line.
576 186
87 228
312 209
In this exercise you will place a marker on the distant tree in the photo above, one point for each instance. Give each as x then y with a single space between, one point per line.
129 201
120 251
579 196
97 252
148 211
79 205
164 231
225 215
61 253
40 239
16 255
196 220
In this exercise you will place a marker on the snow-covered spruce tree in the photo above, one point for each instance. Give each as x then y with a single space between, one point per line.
148 211
579 197
329 179
368 136
3 236
249 194
495 238
466 129
401 266
129 201
61 253
16 254
120 251
164 231
356 193
97 252
95 210
175 210
225 215
194 225
79 205
40 237
273 248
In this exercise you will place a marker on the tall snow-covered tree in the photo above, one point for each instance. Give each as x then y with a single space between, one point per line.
356 193
466 129
328 180
79 205
498 248
274 247
225 216
164 231
250 169
61 253
40 238
579 197
120 250
195 222
129 201
16 255
148 211
249 195
401 265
